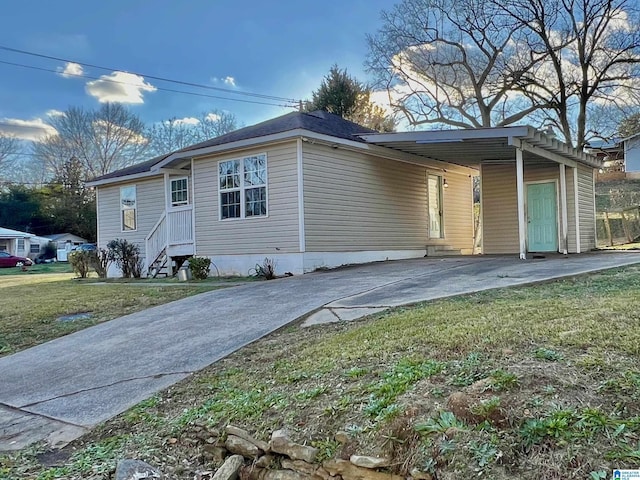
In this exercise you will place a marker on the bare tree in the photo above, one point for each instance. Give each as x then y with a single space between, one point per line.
452 62
102 140
10 148
591 52
572 64
174 134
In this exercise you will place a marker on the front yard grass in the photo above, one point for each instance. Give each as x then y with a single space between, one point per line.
32 303
532 382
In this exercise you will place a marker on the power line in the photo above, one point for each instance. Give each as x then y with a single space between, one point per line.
162 79
196 94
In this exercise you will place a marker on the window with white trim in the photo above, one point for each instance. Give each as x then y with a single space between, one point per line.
34 248
179 191
128 208
243 187
20 246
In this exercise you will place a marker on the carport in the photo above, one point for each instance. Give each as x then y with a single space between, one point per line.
537 193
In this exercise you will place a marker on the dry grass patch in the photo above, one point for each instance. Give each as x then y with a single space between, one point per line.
533 382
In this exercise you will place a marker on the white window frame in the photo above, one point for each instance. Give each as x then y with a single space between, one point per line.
20 246
243 188
34 248
123 209
182 202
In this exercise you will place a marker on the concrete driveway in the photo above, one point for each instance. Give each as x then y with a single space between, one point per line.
57 391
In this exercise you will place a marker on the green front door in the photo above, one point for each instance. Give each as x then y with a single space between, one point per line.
542 229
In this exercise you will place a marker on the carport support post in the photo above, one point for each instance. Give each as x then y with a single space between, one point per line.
522 223
563 209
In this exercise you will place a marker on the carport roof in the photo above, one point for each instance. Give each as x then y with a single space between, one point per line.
474 146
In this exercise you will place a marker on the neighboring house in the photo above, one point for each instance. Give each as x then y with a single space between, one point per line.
631 148
15 242
62 239
619 154
36 246
65 242
313 190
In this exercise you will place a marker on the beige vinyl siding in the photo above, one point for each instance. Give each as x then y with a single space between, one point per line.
499 209
586 206
150 202
358 202
277 232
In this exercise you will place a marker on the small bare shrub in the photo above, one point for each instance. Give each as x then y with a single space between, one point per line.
267 270
100 262
126 256
81 263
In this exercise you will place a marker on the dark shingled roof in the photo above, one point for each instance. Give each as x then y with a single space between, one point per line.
319 122
133 169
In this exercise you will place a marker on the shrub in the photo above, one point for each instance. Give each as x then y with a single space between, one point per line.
200 267
50 250
126 256
100 262
81 263
267 270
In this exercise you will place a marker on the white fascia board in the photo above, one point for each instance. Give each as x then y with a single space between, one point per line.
125 178
448 135
249 142
541 152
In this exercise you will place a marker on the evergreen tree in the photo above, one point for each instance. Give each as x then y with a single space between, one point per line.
344 95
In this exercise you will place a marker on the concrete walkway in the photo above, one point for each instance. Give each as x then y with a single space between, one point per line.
57 391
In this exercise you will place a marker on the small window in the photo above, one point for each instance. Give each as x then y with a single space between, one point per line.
34 248
3 247
20 246
128 207
243 187
179 192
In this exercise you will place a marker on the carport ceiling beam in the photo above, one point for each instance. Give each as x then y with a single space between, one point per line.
541 152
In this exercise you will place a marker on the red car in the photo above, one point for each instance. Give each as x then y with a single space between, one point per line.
7 260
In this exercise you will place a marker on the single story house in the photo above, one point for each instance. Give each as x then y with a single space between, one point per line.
15 242
65 242
312 190
63 239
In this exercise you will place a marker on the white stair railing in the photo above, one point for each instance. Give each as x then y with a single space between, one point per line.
157 240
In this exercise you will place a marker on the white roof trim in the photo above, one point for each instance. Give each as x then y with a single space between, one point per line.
8 233
124 178
522 133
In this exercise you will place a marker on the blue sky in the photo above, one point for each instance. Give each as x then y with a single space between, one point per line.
281 48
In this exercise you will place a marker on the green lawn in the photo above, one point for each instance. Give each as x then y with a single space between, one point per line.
58 267
531 383
32 302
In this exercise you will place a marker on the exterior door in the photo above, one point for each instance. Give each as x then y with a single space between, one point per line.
542 228
434 190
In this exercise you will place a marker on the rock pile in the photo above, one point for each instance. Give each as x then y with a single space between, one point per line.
243 456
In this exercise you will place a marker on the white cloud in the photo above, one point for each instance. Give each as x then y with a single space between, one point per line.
213 117
119 87
54 113
186 121
102 126
228 80
35 130
71 70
